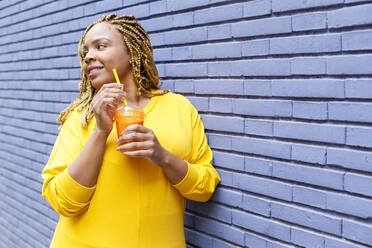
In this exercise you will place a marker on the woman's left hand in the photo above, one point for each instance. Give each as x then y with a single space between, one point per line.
143 141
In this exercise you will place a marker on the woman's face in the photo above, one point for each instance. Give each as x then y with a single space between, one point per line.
104 50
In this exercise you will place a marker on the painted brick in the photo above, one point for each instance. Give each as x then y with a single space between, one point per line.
261 147
255 48
258 127
220 68
221 87
181 53
169 84
334 243
273 244
222 105
270 26
198 239
189 219
309 196
257 87
194 35
254 241
256 205
256 8
229 233
162 54
229 197
200 103
357 183
228 160
309 66
219 32
357 15
356 1
158 7
358 88
357 112
262 107
306 238
308 131
359 232
221 123
263 186
226 177
307 174
216 211
174 70
308 153
351 205
220 141
345 64
258 166
308 88
306 217
220 13
261 67
183 19
312 21
221 244
350 159
357 136
266 226
286 5
359 40
184 86
310 110
306 44
174 5
217 50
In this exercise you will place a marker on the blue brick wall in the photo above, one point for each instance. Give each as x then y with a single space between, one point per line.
284 88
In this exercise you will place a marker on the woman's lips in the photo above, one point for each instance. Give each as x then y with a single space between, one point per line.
94 72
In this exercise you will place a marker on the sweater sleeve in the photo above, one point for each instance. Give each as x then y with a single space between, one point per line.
201 178
64 194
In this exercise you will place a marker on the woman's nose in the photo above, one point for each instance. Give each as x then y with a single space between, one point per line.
89 56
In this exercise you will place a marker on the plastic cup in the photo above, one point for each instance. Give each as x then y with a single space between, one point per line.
127 116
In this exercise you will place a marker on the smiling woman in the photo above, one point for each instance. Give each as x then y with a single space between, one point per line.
126 191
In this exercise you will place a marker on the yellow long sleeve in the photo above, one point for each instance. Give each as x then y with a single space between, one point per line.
133 203
201 178
63 193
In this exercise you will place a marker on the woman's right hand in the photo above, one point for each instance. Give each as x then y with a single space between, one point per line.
104 104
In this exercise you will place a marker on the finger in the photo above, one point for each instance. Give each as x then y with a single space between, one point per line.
134 136
143 145
118 95
102 105
136 128
111 85
138 153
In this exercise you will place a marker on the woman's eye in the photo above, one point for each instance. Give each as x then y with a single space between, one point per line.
101 46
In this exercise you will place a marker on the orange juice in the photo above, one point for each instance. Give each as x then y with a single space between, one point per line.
127 116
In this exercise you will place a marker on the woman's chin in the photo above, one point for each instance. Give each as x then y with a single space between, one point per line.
99 83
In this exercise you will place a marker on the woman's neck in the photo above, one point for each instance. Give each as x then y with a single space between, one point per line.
132 98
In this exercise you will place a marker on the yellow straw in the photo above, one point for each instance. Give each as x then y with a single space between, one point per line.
118 81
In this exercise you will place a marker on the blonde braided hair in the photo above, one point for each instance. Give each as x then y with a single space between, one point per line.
143 66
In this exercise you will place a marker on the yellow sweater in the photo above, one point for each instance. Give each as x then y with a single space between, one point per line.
133 204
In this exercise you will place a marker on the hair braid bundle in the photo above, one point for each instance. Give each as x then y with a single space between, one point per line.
141 62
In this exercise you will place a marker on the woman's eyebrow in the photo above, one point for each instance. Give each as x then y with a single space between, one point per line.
97 40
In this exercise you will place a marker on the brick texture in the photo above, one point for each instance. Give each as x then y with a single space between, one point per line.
284 88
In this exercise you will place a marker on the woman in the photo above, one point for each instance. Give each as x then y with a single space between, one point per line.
131 195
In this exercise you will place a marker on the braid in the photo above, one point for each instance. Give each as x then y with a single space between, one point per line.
141 62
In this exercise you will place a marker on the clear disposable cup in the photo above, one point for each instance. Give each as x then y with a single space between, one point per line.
125 116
